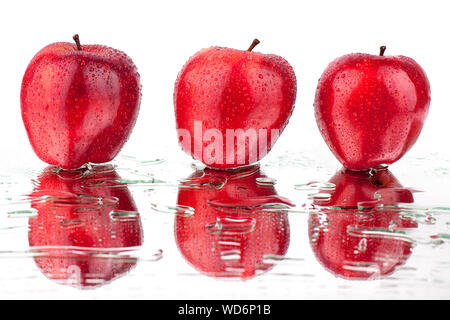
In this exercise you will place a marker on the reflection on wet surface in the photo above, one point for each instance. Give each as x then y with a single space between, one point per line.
351 237
164 229
230 232
81 236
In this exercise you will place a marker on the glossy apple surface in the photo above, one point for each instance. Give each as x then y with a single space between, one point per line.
227 89
353 239
230 234
79 106
85 224
371 109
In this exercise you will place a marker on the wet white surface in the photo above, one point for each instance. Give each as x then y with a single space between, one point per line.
157 269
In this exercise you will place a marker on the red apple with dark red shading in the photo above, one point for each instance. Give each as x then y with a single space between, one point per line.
354 240
238 98
371 109
86 223
79 103
232 233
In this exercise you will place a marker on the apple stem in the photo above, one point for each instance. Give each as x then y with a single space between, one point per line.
254 44
382 50
76 38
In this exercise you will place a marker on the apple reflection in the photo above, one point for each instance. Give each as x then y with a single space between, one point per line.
86 222
238 223
358 234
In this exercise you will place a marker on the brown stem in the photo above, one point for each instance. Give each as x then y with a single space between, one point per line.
76 38
254 44
382 50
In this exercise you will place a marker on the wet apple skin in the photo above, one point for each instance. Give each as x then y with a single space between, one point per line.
79 106
224 88
371 109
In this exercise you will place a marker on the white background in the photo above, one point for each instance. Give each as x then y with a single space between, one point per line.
160 36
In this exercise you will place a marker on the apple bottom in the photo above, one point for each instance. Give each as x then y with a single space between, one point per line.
227 148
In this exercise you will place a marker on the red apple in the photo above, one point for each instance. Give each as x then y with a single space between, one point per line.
230 234
79 103
231 105
370 109
354 240
85 224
